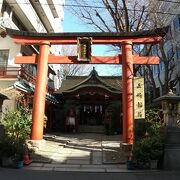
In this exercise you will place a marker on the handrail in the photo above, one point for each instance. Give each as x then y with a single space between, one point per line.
32 79
22 72
9 72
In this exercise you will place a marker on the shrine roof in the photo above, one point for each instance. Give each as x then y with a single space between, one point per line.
71 83
155 32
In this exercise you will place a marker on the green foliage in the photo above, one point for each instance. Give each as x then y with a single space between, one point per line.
141 151
17 126
153 115
150 146
154 122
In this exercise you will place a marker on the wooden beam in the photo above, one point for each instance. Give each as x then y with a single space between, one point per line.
145 59
94 60
73 40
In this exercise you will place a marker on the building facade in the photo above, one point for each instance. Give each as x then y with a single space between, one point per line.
36 16
44 16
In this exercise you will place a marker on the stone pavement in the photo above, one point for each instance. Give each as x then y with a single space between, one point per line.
84 152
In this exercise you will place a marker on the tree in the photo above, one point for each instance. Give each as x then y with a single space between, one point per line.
166 75
112 15
130 16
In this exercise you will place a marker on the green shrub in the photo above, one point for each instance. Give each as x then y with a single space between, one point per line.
150 145
147 149
17 126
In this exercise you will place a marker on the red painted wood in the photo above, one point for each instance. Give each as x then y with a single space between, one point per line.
127 92
127 60
8 76
94 60
40 93
73 40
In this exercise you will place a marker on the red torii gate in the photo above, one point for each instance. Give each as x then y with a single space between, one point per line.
127 59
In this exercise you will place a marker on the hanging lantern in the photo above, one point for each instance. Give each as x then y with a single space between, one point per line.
84 48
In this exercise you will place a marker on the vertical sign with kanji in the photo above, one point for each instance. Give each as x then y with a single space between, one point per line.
139 101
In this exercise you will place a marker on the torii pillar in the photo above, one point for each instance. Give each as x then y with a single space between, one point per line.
127 81
40 92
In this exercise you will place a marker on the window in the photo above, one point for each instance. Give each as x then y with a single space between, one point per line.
155 50
156 69
170 54
161 65
177 23
3 61
178 53
169 33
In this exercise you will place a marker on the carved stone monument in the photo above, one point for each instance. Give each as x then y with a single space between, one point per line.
172 136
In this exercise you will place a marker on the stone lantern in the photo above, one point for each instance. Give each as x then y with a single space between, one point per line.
170 103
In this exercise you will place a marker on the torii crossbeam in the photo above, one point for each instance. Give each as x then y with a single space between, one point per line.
127 59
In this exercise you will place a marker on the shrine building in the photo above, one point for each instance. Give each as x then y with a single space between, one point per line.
93 101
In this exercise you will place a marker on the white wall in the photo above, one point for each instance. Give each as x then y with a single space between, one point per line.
47 11
28 15
1 1
7 43
59 8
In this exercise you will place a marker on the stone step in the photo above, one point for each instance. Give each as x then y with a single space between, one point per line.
91 129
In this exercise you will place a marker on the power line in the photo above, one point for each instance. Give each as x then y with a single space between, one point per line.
175 2
98 7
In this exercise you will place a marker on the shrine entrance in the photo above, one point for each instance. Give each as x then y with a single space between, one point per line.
92 113
125 40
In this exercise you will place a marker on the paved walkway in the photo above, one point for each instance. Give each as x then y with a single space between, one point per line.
80 152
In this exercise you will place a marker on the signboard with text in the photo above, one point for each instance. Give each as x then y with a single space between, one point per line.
139 100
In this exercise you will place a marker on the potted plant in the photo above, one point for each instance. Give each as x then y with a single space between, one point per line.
156 151
148 149
18 153
17 130
141 153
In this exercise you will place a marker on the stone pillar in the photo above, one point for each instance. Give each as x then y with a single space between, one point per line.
40 92
170 111
172 137
170 103
127 68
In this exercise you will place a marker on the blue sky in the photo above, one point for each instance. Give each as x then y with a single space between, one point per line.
73 24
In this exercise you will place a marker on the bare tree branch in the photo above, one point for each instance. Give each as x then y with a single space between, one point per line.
126 14
139 21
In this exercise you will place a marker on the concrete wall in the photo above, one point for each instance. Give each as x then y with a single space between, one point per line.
8 105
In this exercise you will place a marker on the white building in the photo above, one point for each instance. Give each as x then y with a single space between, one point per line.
29 15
